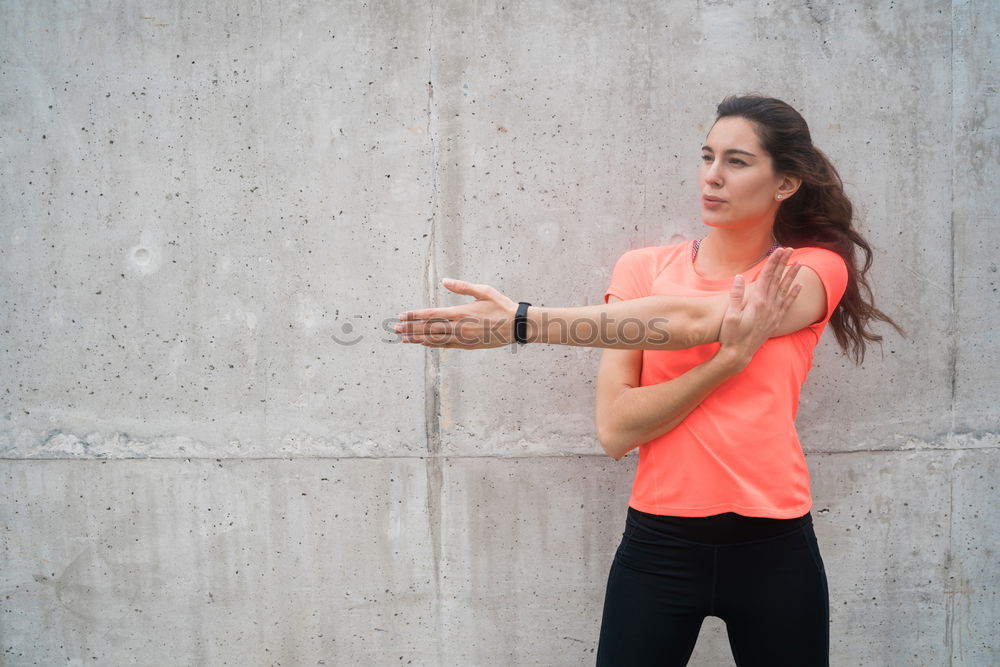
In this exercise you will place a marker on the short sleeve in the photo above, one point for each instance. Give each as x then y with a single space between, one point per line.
632 276
832 272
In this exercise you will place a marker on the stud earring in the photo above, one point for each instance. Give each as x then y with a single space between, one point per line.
779 196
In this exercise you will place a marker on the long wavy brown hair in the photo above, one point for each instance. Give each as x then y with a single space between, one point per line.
819 214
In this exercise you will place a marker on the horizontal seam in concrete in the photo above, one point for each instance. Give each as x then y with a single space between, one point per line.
929 450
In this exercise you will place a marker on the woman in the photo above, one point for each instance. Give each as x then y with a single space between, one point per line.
718 522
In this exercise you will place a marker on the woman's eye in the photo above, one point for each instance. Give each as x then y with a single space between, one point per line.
738 163
706 158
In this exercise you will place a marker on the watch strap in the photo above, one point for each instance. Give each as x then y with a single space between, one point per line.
521 323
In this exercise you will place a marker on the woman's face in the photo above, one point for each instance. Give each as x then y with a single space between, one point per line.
738 182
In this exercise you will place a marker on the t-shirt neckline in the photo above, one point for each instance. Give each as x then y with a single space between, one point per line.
723 283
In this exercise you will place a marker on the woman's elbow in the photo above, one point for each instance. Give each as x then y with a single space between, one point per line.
612 443
612 452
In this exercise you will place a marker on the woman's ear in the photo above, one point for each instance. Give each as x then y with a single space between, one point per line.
787 186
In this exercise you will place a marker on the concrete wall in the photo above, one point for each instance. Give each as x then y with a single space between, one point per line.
213 452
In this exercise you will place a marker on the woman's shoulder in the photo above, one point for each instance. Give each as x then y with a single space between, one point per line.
815 257
658 252
829 266
817 252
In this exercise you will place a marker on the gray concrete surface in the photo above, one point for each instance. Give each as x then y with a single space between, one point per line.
214 453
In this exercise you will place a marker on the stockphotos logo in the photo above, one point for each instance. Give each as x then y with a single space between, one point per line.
473 333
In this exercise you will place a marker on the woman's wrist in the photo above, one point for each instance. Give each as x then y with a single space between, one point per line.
731 359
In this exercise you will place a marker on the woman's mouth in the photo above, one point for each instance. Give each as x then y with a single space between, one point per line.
711 202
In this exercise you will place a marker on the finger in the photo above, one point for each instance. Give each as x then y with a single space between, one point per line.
788 279
425 327
469 289
774 283
446 314
736 293
413 315
772 266
766 276
436 340
786 301
781 257
446 345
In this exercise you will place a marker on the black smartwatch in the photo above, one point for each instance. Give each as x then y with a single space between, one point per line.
521 323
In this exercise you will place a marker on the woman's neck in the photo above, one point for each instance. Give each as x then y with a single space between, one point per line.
725 252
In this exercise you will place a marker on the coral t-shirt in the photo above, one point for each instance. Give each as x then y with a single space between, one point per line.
738 450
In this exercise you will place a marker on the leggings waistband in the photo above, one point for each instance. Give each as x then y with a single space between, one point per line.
715 530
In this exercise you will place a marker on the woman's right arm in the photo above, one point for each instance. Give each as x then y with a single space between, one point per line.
627 415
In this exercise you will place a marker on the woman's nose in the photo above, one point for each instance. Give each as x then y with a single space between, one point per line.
710 173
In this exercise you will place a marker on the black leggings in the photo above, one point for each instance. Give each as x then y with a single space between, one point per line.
763 577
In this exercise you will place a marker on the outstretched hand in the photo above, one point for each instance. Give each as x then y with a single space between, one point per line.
754 313
486 322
